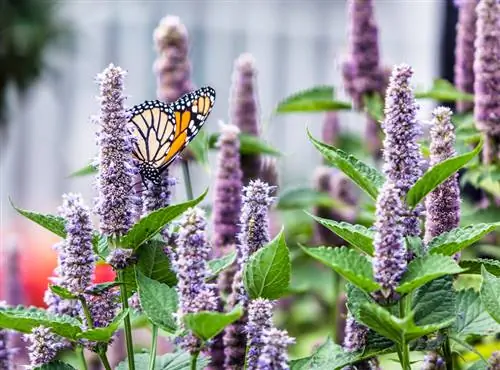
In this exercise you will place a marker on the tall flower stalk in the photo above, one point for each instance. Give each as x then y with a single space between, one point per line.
487 78
274 351
464 50
260 315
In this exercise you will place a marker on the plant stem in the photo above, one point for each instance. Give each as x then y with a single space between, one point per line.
194 359
81 356
86 312
104 359
154 342
128 326
335 288
187 180
404 349
448 355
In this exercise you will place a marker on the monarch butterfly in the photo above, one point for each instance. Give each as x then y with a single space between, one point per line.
163 130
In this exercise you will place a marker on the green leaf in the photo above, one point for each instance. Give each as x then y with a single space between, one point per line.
249 144
153 262
374 106
55 365
434 303
98 289
474 266
90 169
24 319
101 246
159 302
316 99
268 271
457 239
62 292
471 318
478 365
302 197
150 225
171 361
215 266
445 91
415 244
437 174
490 294
424 269
104 334
352 266
367 178
55 224
207 324
356 235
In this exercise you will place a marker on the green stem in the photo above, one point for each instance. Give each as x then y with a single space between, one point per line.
104 359
246 356
187 180
154 342
86 312
127 324
335 288
404 349
194 359
81 357
448 355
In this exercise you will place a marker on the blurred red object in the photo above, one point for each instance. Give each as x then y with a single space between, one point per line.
37 261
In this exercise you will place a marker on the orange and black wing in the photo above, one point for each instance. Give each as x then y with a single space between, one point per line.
190 113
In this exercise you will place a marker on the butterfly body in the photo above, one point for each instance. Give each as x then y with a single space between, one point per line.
163 130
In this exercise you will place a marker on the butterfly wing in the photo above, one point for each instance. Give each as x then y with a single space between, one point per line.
190 113
154 127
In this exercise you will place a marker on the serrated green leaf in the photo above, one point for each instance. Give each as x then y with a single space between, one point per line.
154 263
152 224
62 292
445 91
90 169
268 271
55 224
415 245
207 324
434 302
127 278
55 365
101 246
159 302
352 266
104 334
374 105
490 294
215 266
302 197
356 235
457 239
366 177
170 361
437 174
424 269
98 289
474 266
316 99
471 318
24 319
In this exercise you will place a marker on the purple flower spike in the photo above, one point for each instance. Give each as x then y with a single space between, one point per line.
172 65
389 262
494 361
443 203
115 205
432 361
403 161
362 72
274 352
464 50
260 315
243 109
120 258
103 307
487 77
44 346
158 196
355 334
228 186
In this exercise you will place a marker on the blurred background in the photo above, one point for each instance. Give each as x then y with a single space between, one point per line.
46 131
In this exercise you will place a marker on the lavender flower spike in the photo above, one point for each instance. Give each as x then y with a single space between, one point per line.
432 361
389 262
464 50
228 186
487 76
355 334
494 361
120 258
260 314
172 65
274 352
443 203
403 161
116 168
44 346
243 109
